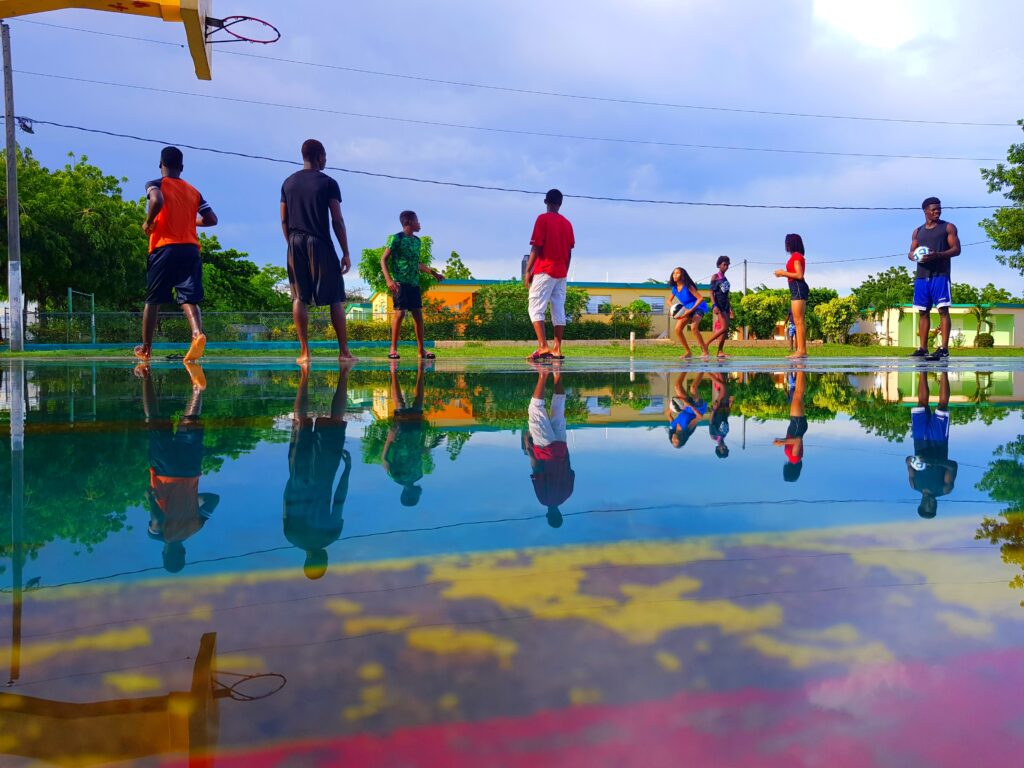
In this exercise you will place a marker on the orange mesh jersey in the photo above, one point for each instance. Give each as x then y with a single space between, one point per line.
176 222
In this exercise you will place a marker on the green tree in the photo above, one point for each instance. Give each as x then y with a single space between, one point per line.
763 310
1006 226
964 293
887 290
815 297
990 294
76 230
836 317
454 269
232 282
1004 482
371 273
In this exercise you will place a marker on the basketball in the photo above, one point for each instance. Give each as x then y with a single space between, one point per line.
924 250
677 309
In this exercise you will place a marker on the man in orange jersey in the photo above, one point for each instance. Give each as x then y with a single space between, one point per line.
177 510
175 210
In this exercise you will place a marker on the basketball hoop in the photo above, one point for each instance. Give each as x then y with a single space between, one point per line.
258 30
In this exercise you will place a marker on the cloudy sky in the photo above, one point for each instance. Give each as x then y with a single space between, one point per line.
933 60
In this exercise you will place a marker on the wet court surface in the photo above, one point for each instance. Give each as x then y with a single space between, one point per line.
490 564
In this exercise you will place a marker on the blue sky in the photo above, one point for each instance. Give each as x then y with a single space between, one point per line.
902 58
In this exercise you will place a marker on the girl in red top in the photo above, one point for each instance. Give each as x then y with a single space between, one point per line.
798 290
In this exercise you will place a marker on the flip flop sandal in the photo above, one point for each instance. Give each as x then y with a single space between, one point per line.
428 356
394 356
537 357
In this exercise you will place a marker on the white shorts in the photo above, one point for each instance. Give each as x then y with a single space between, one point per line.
544 290
544 430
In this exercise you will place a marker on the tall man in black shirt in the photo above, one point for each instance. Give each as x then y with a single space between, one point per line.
309 200
938 242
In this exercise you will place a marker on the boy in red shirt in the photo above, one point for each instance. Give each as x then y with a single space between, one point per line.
175 210
546 273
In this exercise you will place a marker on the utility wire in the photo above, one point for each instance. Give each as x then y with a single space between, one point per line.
486 187
510 131
536 92
865 258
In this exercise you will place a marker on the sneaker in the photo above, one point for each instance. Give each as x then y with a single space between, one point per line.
919 353
939 354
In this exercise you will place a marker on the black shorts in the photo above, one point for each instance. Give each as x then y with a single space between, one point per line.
314 271
799 290
176 454
178 268
797 426
409 297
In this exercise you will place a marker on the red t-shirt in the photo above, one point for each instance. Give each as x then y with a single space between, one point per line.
553 235
176 222
793 259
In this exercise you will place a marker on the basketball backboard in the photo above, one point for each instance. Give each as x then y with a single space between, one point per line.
190 13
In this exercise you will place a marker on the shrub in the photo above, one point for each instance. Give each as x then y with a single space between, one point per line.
836 317
984 341
959 340
862 339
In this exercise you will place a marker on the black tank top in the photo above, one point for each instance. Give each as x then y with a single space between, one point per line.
936 240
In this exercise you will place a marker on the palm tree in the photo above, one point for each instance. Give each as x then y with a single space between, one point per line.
982 314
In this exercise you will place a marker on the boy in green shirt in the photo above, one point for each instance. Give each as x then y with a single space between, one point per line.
401 267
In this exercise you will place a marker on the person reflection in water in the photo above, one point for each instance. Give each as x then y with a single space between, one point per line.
312 506
930 470
545 443
406 444
793 442
686 409
721 402
177 510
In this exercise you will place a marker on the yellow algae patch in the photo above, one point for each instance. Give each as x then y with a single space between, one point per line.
445 641
366 624
110 641
129 683
448 702
201 613
549 587
240 662
579 697
668 661
839 633
373 698
803 656
965 626
371 672
342 607
955 579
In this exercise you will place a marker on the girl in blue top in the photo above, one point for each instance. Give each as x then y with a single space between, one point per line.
688 306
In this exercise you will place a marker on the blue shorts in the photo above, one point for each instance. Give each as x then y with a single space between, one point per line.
932 292
929 426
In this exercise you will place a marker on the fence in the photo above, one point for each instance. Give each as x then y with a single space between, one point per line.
227 327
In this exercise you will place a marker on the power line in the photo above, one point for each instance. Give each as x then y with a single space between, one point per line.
552 94
490 188
866 258
510 131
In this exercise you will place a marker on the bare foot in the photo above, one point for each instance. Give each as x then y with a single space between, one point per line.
345 355
797 356
195 372
303 360
142 353
687 356
195 351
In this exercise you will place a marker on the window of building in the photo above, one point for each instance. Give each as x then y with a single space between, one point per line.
656 303
599 305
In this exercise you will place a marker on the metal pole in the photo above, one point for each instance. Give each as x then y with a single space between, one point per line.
94 318
17 330
17 371
746 333
68 327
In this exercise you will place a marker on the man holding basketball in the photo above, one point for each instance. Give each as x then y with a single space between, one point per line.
310 209
175 269
931 247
